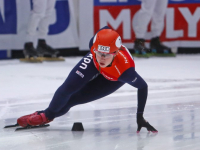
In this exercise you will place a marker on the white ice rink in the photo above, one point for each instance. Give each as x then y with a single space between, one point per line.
173 108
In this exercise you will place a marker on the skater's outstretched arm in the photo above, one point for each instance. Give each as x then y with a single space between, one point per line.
131 77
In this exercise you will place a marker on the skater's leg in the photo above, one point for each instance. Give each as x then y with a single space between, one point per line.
143 18
44 23
140 24
158 17
95 89
43 28
38 12
39 7
80 75
157 28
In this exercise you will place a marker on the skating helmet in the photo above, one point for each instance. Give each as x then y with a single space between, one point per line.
107 41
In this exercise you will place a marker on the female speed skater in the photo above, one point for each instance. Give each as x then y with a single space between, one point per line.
102 71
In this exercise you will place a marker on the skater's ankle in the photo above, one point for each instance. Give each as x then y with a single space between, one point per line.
44 114
49 114
28 44
155 38
140 39
41 42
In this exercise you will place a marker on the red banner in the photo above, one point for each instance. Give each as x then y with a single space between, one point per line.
182 21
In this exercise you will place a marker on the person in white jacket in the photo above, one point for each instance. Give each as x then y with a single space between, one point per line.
38 27
151 10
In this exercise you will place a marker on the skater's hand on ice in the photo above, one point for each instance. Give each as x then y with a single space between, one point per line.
143 123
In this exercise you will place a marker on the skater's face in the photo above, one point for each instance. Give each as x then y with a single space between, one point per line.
105 59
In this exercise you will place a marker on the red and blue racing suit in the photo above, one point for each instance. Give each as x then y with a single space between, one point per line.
88 82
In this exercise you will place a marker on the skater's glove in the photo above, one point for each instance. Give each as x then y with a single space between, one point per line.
143 123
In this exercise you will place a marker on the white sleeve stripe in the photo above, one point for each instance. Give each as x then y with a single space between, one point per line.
128 51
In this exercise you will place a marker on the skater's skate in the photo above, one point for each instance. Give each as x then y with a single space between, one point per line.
22 121
159 49
29 50
47 52
140 50
38 119
44 49
30 53
30 122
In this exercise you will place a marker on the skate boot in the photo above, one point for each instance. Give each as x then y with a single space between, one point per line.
159 49
38 119
44 49
22 121
29 50
140 50
30 54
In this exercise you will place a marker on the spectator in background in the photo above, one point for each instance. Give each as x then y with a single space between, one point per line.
38 27
150 10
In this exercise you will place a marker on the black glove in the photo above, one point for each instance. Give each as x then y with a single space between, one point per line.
143 123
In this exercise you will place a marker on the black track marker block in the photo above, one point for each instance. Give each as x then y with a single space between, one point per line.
78 126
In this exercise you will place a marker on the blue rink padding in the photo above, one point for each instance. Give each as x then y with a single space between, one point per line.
136 2
4 54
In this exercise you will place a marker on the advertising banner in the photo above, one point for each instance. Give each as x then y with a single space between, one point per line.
14 17
181 26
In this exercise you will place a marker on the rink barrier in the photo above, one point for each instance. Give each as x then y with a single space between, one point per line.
5 54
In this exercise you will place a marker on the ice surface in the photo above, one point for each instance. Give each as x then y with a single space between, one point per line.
173 108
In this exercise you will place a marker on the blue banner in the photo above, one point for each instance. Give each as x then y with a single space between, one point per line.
137 2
